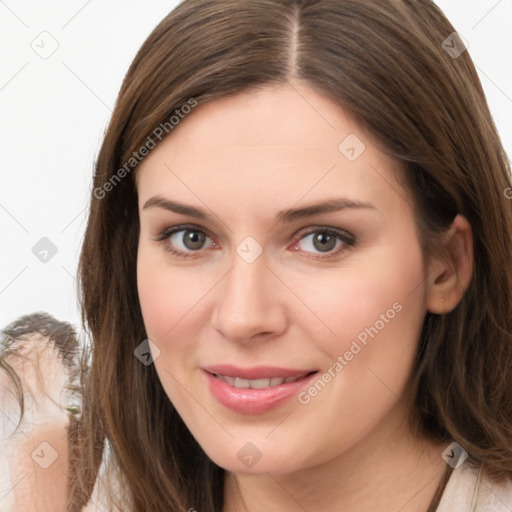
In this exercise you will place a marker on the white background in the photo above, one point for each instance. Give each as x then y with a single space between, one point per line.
53 113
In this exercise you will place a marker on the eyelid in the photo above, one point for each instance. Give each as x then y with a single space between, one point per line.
167 232
347 238
325 229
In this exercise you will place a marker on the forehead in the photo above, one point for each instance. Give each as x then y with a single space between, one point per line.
259 147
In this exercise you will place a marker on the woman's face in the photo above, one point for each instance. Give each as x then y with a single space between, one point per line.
296 252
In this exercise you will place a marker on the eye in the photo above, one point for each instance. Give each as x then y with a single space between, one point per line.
328 241
185 240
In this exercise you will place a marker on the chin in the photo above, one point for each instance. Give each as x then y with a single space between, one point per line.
251 458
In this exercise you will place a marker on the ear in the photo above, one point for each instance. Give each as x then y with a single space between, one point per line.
450 273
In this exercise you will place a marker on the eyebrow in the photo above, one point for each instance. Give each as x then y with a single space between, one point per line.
289 215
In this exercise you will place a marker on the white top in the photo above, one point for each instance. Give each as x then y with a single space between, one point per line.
461 489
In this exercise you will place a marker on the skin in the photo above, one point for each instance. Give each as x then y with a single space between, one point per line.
243 159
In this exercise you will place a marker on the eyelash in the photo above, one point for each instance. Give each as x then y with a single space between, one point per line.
348 240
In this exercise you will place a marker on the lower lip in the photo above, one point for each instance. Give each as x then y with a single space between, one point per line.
254 401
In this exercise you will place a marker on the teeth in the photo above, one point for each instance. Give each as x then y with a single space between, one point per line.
237 382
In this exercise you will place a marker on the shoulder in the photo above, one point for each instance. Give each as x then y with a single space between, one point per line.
495 497
465 492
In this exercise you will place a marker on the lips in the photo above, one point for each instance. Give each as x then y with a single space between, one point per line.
255 390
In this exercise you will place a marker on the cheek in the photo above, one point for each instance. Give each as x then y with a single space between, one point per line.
380 296
377 313
154 294
374 313
166 294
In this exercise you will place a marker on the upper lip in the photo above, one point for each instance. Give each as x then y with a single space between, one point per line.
256 372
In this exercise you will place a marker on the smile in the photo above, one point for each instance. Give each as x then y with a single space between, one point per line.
241 383
254 390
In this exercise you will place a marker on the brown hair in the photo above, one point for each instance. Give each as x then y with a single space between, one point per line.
385 64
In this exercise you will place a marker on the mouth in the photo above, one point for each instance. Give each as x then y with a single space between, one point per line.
255 390
241 383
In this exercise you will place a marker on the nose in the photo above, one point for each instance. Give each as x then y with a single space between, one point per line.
249 302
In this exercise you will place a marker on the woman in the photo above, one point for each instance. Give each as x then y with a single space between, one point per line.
295 271
234 122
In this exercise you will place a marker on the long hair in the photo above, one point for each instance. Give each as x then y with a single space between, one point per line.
388 64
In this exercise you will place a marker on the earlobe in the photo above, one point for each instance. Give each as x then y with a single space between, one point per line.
450 273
